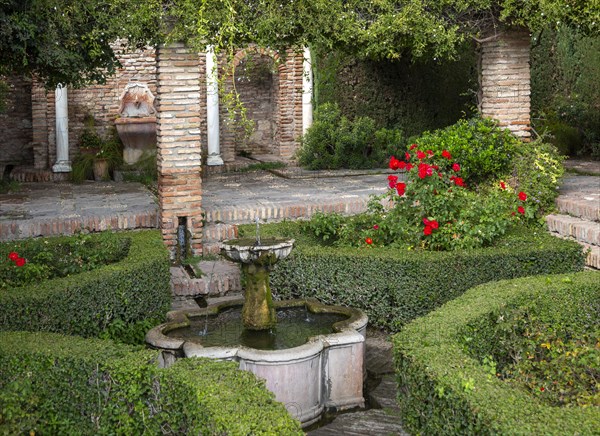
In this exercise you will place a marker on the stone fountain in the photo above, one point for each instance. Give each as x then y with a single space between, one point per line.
320 367
136 124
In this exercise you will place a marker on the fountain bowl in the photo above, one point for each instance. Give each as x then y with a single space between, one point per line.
326 372
248 251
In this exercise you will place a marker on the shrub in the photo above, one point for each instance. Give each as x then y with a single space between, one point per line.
395 286
444 390
334 142
431 208
537 169
46 258
483 149
127 292
52 384
545 343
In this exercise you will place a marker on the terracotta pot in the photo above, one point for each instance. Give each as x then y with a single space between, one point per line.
101 170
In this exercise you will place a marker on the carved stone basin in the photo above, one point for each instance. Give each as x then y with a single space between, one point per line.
249 252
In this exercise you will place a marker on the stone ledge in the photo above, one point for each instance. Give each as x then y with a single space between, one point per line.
574 227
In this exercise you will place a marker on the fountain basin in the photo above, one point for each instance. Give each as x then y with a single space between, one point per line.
247 251
138 136
325 372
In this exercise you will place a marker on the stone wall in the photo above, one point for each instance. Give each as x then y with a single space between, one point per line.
505 81
98 102
15 124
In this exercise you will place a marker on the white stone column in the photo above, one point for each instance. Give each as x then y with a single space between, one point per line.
212 109
62 165
307 90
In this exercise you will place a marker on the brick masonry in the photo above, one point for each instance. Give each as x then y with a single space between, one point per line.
274 104
505 81
179 146
15 124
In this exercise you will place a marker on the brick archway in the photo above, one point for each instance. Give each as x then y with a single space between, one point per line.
287 102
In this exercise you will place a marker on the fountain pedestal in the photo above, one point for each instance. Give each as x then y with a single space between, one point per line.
258 312
257 260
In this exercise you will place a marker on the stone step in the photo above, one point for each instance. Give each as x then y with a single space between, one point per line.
576 228
586 206
217 278
245 214
368 423
384 395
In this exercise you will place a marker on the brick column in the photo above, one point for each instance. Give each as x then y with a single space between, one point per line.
39 125
505 81
179 150
290 104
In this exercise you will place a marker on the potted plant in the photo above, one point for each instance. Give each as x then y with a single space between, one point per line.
98 157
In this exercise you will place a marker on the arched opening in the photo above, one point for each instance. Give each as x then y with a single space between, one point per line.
257 84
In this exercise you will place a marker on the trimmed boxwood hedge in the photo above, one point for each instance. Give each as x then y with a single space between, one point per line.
87 304
55 384
394 287
444 390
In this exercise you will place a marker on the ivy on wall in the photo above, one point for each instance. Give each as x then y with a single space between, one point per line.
412 95
565 97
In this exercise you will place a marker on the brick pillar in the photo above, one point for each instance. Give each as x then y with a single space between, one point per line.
39 125
179 149
505 81
290 104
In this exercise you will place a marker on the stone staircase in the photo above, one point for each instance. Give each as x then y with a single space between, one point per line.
578 216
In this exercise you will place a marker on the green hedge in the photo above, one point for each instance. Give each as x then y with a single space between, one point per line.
55 384
394 287
444 390
87 304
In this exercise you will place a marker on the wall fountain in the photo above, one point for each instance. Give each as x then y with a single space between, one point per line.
310 355
136 124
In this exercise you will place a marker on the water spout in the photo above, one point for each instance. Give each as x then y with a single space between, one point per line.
257 231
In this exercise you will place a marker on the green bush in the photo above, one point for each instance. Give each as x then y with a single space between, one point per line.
484 150
537 170
545 343
334 142
395 286
47 258
87 304
445 390
52 384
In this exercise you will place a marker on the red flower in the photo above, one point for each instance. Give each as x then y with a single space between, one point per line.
20 261
429 153
446 154
401 188
521 210
420 155
394 163
407 156
369 241
409 167
542 388
375 227
13 255
522 196
456 167
427 230
425 170
502 185
412 147
392 180
434 224
458 181
402 165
